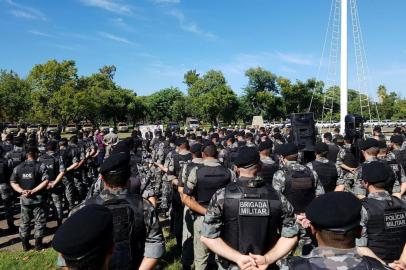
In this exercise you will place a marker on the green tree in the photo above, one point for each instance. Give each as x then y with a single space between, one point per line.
15 99
160 103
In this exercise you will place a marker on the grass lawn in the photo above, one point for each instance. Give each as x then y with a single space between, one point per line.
46 259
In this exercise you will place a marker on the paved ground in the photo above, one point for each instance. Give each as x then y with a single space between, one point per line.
11 242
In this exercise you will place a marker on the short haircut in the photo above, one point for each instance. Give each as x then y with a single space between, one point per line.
210 151
118 178
328 136
373 151
73 139
95 261
344 240
52 145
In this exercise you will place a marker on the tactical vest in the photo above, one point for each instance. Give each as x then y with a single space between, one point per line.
179 160
367 263
386 227
267 171
395 168
209 180
129 230
28 175
252 217
52 164
299 188
333 152
17 157
3 171
7 147
401 158
327 173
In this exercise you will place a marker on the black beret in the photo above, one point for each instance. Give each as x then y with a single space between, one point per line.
320 148
215 136
398 139
172 139
350 161
206 143
115 162
265 145
196 148
335 211
276 130
249 135
247 156
181 140
32 150
368 143
375 172
287 149
397 130
123 147
86 231
241 133
229 137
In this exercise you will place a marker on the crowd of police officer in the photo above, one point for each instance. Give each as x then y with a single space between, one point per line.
234 198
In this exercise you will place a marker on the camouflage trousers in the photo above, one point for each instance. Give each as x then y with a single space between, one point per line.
56 196
80 187
34 212
7 196
166 195
187 237
69 191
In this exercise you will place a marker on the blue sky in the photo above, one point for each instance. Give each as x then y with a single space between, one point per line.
154 42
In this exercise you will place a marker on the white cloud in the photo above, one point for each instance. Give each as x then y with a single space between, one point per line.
110 5
297 59
166 1
115 38
25 12
189 26
41 34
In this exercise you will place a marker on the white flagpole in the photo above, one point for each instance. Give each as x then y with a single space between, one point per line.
344 66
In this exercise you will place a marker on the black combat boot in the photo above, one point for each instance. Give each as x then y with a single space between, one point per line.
26 244
38 243
11 227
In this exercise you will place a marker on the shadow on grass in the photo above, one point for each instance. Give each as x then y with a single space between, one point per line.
171 259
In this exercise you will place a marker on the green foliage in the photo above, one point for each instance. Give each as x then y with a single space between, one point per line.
54 93
15 98
45 259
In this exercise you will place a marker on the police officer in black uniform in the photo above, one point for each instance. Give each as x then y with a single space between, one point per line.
17 155
56 171
6 193
383 216
138 238
335 223
202 183
30 179
326 170
268 165
244 219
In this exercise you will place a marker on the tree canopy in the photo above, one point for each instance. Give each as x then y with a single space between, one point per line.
53 92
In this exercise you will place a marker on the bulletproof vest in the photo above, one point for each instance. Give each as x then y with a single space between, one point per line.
252 217
3 171
28 175
42 150
395 168
333 152
367 263
189 167
7 147
401 158
179 160
231 155
17 157
299 188
327 173
386 227
134 161
209 180
267 171
129 230
52 164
